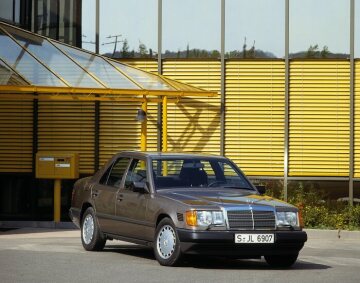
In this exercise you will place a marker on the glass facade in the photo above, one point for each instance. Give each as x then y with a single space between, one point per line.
357 28
254 29
125 33
189 31
319 29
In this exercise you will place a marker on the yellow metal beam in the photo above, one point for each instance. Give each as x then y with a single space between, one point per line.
57 200
144 127
104 92
164 124
43 97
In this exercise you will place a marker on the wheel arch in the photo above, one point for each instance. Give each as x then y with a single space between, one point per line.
84 207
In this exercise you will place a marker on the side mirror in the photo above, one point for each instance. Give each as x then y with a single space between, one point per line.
261 189
140 187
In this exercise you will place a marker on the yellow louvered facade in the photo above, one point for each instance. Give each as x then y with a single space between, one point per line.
69 127
254 116
357 121
119 129
150 66
319 122
319 118
194 123
16 136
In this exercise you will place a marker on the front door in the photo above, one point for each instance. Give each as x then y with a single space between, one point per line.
131 205
104 194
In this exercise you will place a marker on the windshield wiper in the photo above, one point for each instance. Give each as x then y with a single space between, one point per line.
240 188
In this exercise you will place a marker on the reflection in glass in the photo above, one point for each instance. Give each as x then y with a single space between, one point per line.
26 65
255 29
8 77
191 29
146 80
319 29
99 67
54 59
88 25
357 28
128 29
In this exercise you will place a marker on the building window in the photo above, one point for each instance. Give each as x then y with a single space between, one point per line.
191 29
128 29
319 29
255 29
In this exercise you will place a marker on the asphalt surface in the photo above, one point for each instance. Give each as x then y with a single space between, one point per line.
39 255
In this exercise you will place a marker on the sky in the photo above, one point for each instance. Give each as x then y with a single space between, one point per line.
197 23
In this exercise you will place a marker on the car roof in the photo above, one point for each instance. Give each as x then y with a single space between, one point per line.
170 154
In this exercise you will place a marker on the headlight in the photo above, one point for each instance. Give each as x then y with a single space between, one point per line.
287 218
204 218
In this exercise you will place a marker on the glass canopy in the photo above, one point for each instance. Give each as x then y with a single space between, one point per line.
30 59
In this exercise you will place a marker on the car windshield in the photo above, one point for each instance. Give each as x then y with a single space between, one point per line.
197 173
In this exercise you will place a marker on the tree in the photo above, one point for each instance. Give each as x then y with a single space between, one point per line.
312 51
187 51
125 49
251 52
244 48
150 53
143 50
325 52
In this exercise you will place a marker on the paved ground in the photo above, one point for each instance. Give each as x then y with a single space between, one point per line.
39 255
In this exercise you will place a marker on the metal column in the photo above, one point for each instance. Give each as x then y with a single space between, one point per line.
287 81
222 103
97 27
159 108
352 102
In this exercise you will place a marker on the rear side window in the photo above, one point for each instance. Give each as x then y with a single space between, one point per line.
117 172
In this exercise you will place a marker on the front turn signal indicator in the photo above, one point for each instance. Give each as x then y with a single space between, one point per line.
191 218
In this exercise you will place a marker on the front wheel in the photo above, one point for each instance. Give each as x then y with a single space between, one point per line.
281 261
167 245
91 237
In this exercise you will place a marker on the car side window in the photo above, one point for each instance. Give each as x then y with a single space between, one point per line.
117 172
136 173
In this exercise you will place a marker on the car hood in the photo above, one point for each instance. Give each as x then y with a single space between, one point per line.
224 198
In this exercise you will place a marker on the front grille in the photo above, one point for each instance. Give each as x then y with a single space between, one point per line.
251 219
180 217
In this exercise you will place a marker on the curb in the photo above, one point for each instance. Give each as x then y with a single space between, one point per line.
37 224
332 234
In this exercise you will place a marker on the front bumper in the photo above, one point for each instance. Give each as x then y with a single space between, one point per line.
222 243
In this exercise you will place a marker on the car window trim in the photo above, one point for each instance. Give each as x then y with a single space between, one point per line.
125 171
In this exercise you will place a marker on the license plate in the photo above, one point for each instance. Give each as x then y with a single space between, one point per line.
254 238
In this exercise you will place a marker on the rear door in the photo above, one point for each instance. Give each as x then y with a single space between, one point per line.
104 194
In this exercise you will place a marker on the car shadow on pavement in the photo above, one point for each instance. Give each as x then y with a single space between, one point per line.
206 262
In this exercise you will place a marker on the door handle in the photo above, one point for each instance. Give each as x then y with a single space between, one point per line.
120 197
95 193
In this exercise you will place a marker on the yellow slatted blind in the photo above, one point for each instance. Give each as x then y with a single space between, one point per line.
68 126
16 136
119 129
145 64
319 118
194 123
254 123
357 121
150 66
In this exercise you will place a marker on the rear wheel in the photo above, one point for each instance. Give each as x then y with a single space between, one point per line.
167 245
283 261
91 237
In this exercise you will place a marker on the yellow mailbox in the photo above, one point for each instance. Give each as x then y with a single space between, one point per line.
57 165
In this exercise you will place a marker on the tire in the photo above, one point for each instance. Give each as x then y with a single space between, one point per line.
281 261
91 237
167 244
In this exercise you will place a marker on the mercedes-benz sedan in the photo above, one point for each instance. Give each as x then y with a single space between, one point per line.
184 204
